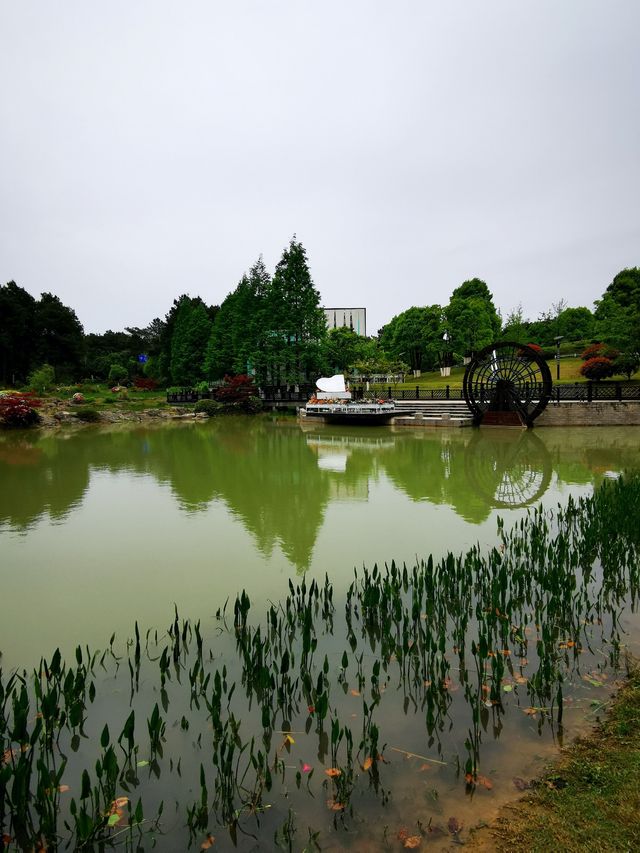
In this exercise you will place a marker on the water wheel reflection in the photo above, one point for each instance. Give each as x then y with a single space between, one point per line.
510 470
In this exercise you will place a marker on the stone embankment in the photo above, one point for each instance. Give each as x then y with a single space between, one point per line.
56 413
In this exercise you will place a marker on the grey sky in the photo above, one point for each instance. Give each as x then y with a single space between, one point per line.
149 149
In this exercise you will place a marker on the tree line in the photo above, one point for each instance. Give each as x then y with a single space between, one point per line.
272 326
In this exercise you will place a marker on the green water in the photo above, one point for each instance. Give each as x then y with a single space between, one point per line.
101 527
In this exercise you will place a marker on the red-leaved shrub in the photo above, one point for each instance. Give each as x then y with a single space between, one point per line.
236 389
144 383
597 368
19 409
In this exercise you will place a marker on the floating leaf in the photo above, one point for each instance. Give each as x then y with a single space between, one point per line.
507 688
412 841
424 767
530 712
485 782
143 763
289 739
121 802
367 763
454 825
334 806
355 693
333 771
114 819
208 842
64 788
403 833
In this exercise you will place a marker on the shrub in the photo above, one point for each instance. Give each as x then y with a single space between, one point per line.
117 374
597 368
599 351
42 378
253 405
19 410
145 383
88 415
202 387
235 389
208 407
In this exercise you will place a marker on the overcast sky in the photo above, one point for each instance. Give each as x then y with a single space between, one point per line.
149 149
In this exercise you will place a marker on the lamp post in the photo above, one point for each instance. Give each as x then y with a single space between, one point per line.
557 339
445 366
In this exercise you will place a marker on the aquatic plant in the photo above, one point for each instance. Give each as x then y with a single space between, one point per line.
307 700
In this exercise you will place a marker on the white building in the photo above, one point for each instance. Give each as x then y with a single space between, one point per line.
351 318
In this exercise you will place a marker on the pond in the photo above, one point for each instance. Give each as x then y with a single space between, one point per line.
101 529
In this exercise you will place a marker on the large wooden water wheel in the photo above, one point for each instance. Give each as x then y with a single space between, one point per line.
507 384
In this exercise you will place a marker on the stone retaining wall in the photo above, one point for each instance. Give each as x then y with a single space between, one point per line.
590 414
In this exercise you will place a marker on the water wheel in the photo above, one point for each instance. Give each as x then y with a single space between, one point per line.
507 384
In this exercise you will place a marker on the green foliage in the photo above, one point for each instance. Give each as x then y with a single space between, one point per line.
42 378
17 333
470 323
295 322
343 348
597 368
208 407
253 405
87 414
59 336
415 335
189 341
618 312
117 373
627 364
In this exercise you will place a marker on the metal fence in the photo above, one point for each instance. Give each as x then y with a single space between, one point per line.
281 394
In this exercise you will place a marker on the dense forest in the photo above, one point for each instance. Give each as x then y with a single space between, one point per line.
273 326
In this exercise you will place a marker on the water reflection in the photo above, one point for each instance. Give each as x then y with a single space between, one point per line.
279 479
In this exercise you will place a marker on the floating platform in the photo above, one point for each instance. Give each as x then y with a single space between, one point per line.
350 413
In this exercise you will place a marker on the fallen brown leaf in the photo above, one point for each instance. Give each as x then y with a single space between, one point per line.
208 842
412 842
333 771
454 825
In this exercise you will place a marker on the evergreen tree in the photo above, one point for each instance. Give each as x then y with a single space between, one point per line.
59 337
191 332
296 323
17 333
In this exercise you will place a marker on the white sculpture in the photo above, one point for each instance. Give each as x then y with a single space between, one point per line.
332 388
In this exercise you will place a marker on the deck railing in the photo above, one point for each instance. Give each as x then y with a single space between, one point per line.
587 392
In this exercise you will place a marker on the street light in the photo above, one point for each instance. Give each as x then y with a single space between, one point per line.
557 339
445 366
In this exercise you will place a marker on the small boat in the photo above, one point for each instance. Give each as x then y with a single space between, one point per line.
332 403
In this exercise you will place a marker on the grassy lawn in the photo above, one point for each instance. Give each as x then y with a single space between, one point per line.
590 800
569 373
